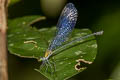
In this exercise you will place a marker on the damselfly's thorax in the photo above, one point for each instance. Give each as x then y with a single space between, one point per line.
47 53
46 56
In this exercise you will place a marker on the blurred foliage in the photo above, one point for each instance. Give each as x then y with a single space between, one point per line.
95 15
55 7
116 72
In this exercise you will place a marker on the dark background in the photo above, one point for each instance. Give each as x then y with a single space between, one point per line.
93 14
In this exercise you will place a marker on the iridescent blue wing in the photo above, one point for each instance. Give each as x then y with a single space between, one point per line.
65 26
68 17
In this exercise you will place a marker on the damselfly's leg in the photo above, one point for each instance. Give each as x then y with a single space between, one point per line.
51 68
53 65
42 65
46 67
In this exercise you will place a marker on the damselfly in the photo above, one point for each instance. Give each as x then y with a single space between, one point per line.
65 26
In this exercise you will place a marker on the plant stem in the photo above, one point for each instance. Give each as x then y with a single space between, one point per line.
3 49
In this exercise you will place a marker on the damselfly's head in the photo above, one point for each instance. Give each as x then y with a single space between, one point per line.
47 53
42 59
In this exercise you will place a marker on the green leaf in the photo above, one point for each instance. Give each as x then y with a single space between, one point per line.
19 32
66 61
29 42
